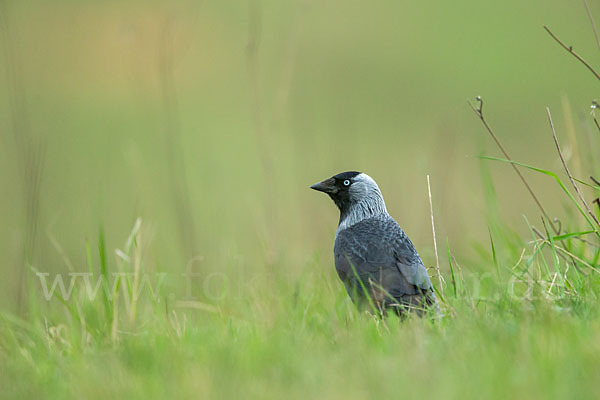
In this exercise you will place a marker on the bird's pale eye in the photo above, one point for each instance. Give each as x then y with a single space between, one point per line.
346 182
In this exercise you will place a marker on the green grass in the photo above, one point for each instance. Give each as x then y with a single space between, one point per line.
539 353
147 148
522 331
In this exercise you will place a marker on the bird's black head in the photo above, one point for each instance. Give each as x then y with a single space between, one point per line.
356 194
338 188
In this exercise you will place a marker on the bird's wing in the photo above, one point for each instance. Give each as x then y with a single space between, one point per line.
409 263
378 250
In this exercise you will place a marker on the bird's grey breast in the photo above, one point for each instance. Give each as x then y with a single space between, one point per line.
378 245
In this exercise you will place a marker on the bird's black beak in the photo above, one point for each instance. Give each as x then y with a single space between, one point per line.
327 186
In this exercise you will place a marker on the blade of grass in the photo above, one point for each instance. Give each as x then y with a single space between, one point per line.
587 184
571 235
453 277
589 13
494 253
537 253
108 311
553 247
553 175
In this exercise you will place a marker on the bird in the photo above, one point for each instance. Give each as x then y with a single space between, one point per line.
376 261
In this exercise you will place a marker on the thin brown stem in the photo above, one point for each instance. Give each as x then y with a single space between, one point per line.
597 124
564 163
479 113
589 13
570 50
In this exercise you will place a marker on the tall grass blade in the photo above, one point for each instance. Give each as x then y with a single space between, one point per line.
556 178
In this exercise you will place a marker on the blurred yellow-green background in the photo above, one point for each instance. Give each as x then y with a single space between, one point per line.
210 119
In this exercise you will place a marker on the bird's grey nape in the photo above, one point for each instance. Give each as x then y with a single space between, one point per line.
366 201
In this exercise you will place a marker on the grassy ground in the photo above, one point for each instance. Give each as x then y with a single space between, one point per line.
522 330
307 340
159 239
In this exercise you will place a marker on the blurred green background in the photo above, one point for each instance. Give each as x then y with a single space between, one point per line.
209 120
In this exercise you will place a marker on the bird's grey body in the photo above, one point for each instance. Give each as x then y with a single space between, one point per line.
374 258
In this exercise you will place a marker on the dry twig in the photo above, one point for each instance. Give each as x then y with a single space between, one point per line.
570 50
437 259
479 112
564 163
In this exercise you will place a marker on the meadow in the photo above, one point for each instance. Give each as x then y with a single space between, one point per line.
159 237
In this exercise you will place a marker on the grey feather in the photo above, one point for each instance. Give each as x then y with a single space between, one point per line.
378 252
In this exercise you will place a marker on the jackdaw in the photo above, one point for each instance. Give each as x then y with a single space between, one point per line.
374 258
